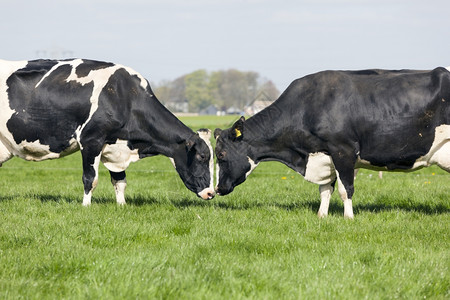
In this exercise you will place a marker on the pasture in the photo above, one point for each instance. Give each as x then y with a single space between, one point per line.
263 241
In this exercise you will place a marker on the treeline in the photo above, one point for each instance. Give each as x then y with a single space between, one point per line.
223 89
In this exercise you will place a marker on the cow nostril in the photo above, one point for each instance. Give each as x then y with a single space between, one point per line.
211 195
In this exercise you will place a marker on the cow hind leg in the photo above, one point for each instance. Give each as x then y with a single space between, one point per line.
90 174
326 190
4 154
345 178
442 157
346 192
119 181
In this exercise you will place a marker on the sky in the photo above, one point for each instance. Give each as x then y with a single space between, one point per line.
281 40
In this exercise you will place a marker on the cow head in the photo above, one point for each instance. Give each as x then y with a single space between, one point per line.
194 163
233 161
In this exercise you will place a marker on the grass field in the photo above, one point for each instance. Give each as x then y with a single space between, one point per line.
263 241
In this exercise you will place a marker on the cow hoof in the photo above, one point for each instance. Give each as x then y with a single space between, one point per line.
322 215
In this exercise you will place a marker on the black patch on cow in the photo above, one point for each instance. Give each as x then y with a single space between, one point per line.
39 65
402 129
50 112
118 175
89 65
114 106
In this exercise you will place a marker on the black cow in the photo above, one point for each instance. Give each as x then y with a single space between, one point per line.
327 124
52 108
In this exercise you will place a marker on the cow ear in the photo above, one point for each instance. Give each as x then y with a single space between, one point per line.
190 144
204 133
237 131
217 132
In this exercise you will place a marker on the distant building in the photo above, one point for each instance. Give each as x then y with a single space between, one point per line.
210 110
261 101
234 111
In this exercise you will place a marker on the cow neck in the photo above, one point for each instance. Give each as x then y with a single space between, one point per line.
164 133
269 138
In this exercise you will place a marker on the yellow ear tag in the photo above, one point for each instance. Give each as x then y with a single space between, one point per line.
238 132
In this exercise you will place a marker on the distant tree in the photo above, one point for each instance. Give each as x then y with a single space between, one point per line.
197 90
224 88
233 87
162 91
270 89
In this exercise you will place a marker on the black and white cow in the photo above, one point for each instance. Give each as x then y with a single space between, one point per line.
52 108
327 124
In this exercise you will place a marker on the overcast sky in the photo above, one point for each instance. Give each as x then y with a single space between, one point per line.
281 40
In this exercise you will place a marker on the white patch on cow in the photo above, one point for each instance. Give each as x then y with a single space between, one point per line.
144 82
73 75
439 152
206 136
252 166
320 168
173 162
35 151
217 175
118 156
7 68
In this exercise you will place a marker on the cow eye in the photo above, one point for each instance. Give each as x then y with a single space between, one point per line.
200 157
221 155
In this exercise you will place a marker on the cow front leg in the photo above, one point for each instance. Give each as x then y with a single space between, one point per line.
90 175
119 181
326 190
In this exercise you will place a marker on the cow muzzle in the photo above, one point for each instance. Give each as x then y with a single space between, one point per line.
222 191
207 194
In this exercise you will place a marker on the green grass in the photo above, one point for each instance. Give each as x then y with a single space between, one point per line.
263 241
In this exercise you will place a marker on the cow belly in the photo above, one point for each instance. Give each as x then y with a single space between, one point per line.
439 154
35 151
117 157
320 168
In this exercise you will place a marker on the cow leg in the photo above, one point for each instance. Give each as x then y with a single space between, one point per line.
119 181
346 189
325 195
344 164
442 157
90 173
4 154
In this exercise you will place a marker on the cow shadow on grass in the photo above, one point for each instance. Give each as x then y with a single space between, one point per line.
138 200
6 198
335 208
